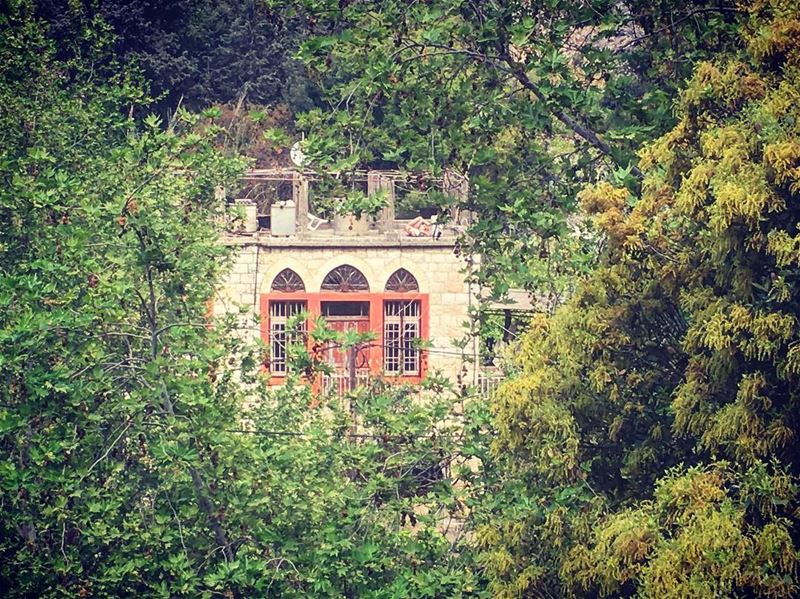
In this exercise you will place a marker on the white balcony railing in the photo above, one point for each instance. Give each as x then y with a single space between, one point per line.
489 381
339 382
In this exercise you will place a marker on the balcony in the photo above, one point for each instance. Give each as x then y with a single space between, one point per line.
340 382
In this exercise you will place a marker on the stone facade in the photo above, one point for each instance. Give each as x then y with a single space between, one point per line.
439 272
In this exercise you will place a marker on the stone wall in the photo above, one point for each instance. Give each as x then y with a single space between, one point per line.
439 272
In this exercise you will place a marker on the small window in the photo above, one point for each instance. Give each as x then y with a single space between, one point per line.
401 330
402 281
345 309
288 281
280 337
345 278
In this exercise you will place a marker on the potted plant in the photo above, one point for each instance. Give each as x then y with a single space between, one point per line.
354 213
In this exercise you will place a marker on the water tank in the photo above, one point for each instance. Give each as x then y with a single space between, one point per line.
249 212
283 218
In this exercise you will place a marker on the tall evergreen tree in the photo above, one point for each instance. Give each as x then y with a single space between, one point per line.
649 447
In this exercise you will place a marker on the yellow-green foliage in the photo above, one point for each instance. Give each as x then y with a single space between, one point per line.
681 350
531 413
706 545
694 540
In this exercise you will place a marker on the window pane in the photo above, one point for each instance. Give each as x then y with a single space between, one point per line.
400 333
278 347
391 353
410 352
279 335
345 308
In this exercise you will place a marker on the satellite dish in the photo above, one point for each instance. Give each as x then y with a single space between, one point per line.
297 155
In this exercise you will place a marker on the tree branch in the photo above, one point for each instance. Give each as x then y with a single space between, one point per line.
518 71
110 447
200 486
508 65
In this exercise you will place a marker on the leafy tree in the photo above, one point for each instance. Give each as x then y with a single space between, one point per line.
139 452
196 52
107 265
650 445
363 508
531 99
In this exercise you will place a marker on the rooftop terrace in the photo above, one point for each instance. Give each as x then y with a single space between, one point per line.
290 207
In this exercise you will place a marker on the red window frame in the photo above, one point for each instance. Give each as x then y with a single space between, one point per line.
376 323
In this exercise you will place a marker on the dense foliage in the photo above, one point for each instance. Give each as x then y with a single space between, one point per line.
130 462
651 442
531 99
196 52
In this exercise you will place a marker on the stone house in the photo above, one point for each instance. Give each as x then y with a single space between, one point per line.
397 276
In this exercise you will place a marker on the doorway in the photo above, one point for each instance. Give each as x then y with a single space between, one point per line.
344 316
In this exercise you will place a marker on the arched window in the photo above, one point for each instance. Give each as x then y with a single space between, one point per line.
281 313
345 278
402 281
288 281
401 326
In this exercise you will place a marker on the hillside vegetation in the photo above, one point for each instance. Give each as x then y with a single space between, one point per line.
646 444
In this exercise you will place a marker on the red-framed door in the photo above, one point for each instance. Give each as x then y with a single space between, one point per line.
339 357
